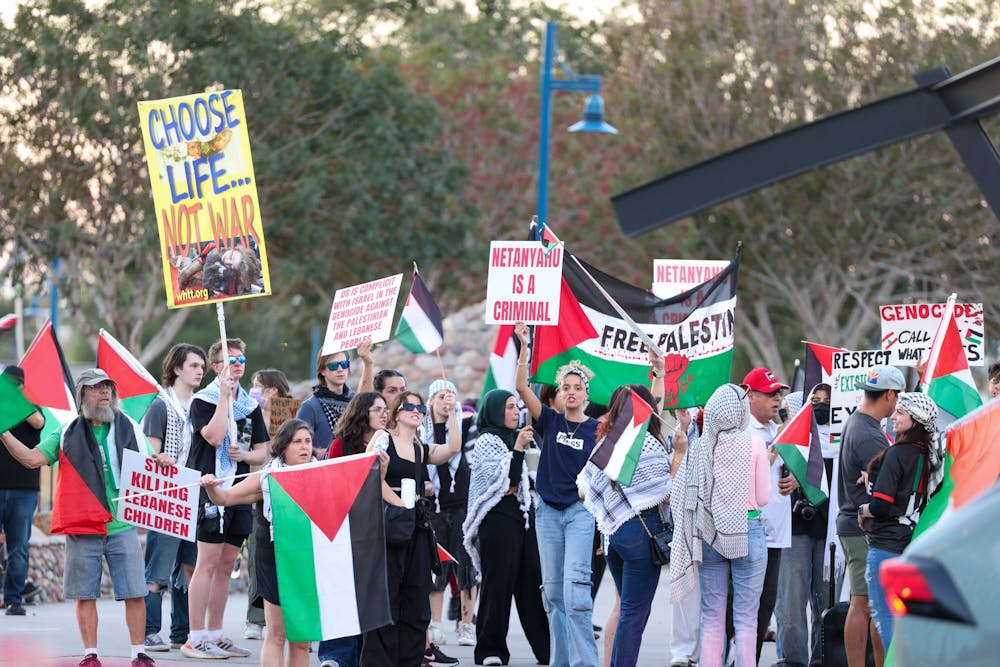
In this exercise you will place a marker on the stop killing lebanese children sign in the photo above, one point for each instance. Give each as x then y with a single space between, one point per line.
205 197
676 276
362 312
173 512
908 330
524 283
849 368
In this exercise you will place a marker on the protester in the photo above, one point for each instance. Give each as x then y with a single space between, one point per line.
366 414
408 561
500 533
685 613
565 527
390 383
169 559
628 515
221 531
718 533
450 482
898 479
861 440
993 379
331 396
92 446
265 384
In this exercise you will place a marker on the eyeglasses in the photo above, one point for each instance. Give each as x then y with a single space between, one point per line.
101 386
334 365
414 407
242 359
379 411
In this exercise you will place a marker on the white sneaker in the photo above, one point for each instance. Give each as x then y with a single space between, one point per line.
232 649
466 634
435 635
253 631
203 650
492 660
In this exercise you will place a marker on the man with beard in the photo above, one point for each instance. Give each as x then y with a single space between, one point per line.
89 451
331 396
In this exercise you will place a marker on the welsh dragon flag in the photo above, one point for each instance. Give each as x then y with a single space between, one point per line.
618 453
694 329
948 381
421 328
800 449
329 547
47 380
136 387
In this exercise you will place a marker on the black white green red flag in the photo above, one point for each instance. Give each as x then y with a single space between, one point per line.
421 327
47 380
800 448
136 387
618 452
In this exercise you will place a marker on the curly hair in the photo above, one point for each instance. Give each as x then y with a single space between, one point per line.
352 427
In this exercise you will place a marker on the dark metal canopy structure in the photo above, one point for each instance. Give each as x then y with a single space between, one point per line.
954 104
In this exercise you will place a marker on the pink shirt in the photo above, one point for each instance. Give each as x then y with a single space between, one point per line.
760 474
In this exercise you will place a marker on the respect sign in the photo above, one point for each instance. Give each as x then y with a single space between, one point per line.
908 331
361 312
676 276
173 511
849 368
524 283
205 195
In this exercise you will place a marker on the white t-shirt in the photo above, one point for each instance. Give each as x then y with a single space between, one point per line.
777 513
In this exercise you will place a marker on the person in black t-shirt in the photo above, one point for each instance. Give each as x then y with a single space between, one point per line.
18 499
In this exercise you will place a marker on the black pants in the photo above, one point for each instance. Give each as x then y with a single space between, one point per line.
401 644
511 568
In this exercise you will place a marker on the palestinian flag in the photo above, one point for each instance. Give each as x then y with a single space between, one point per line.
47 380
420 329
7 322
800 449
136 387
975 456
948 381
818 366
503 361
444 555
694 329
14 407
618 453
329 547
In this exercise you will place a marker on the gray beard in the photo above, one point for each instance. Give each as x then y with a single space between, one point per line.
93 413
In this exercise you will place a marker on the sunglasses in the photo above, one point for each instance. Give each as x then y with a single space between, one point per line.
334 365
414 407
242 359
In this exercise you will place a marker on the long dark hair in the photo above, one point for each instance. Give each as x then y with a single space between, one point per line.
617 402
352 427
916 435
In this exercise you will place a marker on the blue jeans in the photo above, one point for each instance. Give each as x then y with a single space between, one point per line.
345 651
565 543
636 578
165 557
876 595
748 581
16 509
801 585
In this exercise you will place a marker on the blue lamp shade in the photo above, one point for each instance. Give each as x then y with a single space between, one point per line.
593 118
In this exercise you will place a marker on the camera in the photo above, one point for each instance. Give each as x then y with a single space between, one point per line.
805 509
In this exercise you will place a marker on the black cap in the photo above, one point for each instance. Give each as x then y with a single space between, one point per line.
15 372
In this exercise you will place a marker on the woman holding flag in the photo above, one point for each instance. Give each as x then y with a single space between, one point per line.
628 515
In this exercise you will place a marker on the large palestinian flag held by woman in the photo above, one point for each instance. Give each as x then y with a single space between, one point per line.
694 329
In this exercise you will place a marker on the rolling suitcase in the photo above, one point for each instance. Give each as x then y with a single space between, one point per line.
832 629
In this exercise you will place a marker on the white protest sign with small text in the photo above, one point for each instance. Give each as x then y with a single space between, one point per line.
908 330
849 368
524 283
361 312
173 512
676 276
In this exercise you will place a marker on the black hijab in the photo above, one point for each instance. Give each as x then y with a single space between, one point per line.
491 416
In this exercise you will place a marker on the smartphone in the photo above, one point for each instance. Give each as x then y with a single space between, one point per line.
782 415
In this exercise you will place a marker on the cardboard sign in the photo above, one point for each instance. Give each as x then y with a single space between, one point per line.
849 368
173 512
282 409
676 276
524 283
360 312
908 331
205 196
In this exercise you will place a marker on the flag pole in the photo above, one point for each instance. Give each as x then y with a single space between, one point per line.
444 375
220 311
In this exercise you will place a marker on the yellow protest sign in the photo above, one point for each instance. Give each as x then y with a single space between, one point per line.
205 194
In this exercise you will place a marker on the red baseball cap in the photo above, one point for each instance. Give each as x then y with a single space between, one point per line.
763 380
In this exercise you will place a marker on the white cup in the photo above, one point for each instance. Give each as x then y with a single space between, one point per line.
531 456
408 492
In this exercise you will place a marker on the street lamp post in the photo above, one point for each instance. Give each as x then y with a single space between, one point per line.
593 118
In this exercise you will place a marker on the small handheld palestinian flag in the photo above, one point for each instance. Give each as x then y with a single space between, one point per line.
800 449
47 380
421 328
136 387
618 453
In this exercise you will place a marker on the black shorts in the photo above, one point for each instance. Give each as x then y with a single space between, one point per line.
236 526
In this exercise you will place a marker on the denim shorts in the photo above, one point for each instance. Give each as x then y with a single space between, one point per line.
84 553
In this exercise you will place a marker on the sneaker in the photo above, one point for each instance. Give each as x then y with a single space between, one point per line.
154 643
15 609
492 660
435 635
30 592
232 649
143 660
455 609
176 644
90 660
466 634
433 657
329 663
203 650
253 631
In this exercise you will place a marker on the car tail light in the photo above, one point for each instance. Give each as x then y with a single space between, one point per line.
922 587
